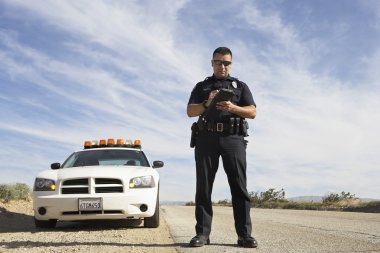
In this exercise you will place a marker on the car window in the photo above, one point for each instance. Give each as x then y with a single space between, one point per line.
131 162
106 157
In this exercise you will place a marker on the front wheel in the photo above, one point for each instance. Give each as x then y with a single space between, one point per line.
154 221
45 223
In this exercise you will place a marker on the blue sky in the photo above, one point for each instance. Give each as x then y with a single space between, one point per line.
72 71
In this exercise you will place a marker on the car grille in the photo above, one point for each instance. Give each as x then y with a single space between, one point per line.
91 185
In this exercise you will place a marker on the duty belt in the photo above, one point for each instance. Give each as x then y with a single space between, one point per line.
234 126
237 126
217 127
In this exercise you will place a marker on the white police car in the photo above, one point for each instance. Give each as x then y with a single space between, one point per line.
105 180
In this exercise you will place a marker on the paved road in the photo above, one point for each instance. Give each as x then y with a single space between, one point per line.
281 231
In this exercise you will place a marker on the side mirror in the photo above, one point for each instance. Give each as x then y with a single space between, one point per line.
55 166
158 164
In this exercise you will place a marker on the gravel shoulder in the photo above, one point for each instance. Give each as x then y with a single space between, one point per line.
18 234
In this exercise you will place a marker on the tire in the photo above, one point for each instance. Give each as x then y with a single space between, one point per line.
45 223
154 221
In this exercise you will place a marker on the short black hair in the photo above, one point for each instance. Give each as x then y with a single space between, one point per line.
222 51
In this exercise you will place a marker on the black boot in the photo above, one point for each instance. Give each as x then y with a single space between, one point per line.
247 242
199 241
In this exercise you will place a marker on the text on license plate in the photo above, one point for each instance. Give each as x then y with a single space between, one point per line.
90 204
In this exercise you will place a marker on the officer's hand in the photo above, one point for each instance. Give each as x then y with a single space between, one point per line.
226 106
211 97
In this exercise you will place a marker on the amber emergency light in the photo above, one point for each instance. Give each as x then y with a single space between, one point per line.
102 143
111 143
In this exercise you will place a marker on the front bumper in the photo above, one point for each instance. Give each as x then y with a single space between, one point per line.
115 205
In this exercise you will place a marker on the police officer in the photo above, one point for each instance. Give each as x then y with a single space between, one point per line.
222 135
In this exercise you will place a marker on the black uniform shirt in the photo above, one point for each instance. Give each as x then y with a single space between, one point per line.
242 97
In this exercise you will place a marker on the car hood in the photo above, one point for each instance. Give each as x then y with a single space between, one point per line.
98 171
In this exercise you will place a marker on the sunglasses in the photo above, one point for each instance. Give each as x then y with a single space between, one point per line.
224 63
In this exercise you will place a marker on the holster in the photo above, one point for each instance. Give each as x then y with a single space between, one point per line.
194 133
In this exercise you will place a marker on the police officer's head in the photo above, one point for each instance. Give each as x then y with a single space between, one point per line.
221 62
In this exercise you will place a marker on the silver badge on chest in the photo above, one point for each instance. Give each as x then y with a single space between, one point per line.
234 84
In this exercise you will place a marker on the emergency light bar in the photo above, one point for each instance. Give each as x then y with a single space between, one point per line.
111 143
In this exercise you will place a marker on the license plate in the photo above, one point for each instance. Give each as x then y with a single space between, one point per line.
90 204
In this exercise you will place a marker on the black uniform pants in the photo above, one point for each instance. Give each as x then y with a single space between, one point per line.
232 148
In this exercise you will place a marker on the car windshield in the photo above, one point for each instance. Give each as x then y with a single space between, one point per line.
106 157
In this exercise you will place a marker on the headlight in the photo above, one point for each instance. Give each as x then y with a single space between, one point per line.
141 182
42 184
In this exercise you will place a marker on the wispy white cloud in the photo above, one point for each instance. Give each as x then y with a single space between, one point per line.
141 34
